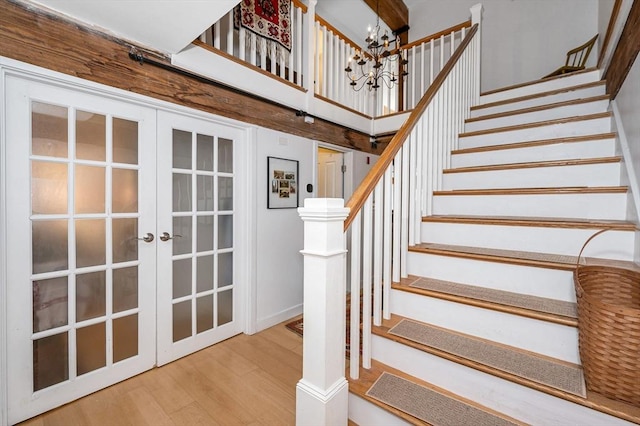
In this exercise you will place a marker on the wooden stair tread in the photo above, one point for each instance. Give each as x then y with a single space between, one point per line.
525 258
514 303
534 164
529 83
542 142
542 222
537 108
368 377
539 95
593 400
537 124
531 191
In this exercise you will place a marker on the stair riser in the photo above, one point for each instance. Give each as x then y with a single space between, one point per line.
542 282
554 340
545 100
547 114
559 151
606 174
363 412
542 86
551 131
512 399
611 245
585 206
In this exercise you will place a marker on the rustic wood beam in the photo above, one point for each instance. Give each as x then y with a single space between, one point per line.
47 40
626 52
393 12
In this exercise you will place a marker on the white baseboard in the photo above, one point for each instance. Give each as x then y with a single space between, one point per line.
264 323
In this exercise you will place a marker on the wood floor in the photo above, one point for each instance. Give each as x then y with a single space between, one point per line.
246 380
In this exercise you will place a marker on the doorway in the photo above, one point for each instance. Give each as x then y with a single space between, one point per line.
331 169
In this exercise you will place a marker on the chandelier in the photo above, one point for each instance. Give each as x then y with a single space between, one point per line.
375 66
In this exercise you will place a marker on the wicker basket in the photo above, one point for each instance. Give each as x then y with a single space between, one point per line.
609 329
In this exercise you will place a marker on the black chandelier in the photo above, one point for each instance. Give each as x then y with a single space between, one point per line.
372 67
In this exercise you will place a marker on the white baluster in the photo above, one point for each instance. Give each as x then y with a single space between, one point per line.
263 53
418 181
216 35
386 273
413 77
453 44
298 47
412 185
377 253
397 206
404 213
356 263
253 48
431 70
430 155
423 88
273 55
230 33
366 282
442 49
241 44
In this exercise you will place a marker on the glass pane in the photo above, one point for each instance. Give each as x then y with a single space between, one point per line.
91 344
125 242
89 191
50 361
181 320
204 273
125 191
204 312
225 193
48 188
205 233
125 337
49 130
182 226
91 296
50 303
49 246
125 289
225 307
204 159
204 192
90 136
90 242
125 141
181 193
225 155
225 231
181 278
181 149
225 269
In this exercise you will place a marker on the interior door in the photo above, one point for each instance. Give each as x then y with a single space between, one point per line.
198 279
330 173
82 261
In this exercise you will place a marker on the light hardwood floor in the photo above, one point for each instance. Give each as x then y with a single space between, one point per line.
246 380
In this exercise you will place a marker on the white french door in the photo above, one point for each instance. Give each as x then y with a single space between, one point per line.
122 240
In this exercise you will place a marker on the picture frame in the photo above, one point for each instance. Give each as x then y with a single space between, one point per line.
282 183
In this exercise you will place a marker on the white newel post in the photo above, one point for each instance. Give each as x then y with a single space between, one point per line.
323 391
476 18
309 55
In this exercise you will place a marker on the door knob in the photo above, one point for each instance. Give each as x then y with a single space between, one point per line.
147 238
166 236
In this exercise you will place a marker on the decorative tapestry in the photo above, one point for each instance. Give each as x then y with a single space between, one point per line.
267 18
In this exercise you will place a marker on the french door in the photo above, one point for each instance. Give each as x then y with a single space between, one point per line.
121 241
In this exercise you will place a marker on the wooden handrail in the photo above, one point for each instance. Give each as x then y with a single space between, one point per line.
300 5
363 191
607 38
465 24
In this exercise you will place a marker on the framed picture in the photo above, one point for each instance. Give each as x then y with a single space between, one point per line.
282 178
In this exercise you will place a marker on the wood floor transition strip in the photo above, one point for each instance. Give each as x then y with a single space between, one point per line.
428 405
557 374
534 164
530 144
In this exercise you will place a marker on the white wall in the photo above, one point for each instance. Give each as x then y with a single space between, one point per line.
522 40
604 15
628 102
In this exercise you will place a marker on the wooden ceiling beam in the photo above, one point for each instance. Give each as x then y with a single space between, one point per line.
394 13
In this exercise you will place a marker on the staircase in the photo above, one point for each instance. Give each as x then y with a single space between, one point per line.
483 331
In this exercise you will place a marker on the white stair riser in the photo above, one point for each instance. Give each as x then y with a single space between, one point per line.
546 114
557 151
550 131
608 206
565 241
363 412
542 282
542 86
604 174
521 402
543 100
554 340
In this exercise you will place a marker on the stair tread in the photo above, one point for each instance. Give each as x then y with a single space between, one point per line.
534 164
439 398
537 124
528 191
529 83
545 222
541 307
545 260
539 95
542 142
537 108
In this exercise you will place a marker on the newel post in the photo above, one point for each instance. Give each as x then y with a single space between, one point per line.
476 18
308 66
323 391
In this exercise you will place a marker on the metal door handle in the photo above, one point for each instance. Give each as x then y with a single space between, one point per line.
165 236
147 238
